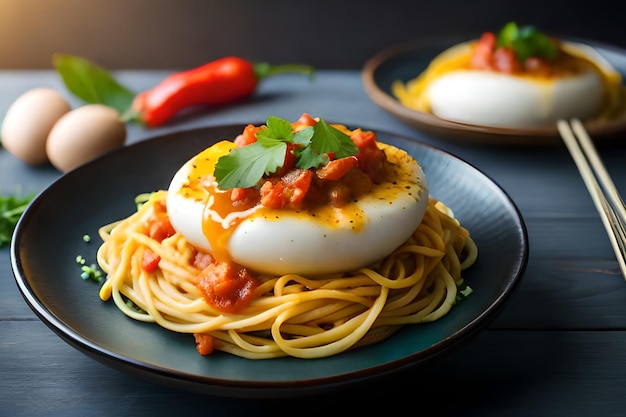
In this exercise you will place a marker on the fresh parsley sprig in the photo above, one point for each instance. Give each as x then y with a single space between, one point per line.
526 41
243 167
11 209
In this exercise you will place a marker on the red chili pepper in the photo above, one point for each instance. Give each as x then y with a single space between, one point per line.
219 82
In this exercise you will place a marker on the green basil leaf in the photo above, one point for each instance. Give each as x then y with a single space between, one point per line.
91 83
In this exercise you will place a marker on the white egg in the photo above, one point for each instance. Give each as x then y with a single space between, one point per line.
28 122
84 134
494 99
279 242
453 91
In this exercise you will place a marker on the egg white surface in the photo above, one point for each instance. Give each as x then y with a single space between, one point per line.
494 99
290 243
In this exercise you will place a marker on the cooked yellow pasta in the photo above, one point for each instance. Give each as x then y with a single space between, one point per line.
288 315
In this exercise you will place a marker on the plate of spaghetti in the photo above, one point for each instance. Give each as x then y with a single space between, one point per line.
270 260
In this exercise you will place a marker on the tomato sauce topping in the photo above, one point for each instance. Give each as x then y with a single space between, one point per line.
226 286
158 227
338 182
487 55
204 343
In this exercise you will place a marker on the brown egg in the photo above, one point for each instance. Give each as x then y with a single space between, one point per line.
28 122
84 134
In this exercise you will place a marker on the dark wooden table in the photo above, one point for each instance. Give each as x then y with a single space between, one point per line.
557 349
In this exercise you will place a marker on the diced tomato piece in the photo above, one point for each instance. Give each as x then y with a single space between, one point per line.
237 194
372 159
226 287
272 195
337 168
290 160
158 223
299 182
505 61
364 139
537 66
486 56
304 121
204 343
160 228
243 198
202 259
289 191
248 136
150 260
481 58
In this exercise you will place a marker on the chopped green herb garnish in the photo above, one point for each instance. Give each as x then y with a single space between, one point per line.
11 209
243 167
464 293
326 139
86 238
130 304
89 272
526 41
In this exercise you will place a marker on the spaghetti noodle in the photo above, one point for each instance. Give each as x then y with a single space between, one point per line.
289 315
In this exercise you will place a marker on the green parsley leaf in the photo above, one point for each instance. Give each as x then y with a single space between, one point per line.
243 167
330 139
276 130
325 139
310 158
11 209
526 41
304 136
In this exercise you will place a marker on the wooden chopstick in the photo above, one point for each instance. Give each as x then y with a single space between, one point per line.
603 192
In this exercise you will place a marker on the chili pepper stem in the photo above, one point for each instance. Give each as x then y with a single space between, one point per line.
130 115
264 70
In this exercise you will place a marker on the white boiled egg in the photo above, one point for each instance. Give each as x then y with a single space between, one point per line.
326 241
84 134
479 97
453 91
28 122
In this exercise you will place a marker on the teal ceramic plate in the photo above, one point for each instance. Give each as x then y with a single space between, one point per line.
49 237
406 61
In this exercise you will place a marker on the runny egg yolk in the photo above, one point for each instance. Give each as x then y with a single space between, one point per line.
217 225
315 240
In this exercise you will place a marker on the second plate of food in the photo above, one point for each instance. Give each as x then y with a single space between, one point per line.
403 63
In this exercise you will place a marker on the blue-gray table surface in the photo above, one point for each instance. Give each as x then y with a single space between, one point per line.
557 349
